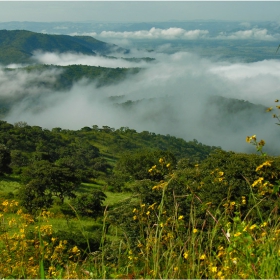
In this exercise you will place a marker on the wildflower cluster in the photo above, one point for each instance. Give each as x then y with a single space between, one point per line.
23 244
259 145
276 116
159 170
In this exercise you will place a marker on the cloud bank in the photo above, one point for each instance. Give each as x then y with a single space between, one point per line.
64 59
157 33
173 96
255 34
175 33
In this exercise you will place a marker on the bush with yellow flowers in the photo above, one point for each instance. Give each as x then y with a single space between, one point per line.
28 249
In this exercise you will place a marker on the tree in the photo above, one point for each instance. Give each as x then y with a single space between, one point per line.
5 160
90 205
138 165
43 180
35 196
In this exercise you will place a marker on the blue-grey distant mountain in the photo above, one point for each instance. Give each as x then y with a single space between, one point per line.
18 46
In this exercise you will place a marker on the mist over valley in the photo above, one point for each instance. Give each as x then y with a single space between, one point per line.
190 80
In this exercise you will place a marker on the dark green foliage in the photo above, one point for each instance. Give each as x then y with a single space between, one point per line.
43 180
137 165
117 181
86 242
79 148
5 160
225 177
215 186
90 204
35 196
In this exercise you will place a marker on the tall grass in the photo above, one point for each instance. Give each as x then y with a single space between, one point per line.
162 244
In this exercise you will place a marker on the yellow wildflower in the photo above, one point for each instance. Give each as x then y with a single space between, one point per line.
181 217
264 224
5 203
202 257
237 234
258 181
186 254
195 230
75 250
214 269
253 226
152 206
266 163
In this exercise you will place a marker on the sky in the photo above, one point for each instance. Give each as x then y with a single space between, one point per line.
138 11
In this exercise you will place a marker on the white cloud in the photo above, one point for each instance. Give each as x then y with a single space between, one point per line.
173 99
92 34
157 33
15 83
64 59
255 33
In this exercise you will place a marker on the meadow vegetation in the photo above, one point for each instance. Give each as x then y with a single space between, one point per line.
107 203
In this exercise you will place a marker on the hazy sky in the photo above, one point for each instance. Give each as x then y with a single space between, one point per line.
141 11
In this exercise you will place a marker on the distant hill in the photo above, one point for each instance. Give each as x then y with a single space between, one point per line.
17 46
65 77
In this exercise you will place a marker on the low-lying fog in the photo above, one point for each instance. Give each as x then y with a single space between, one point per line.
174 93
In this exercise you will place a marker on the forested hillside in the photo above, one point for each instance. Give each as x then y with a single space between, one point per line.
18 46
29 142
66 76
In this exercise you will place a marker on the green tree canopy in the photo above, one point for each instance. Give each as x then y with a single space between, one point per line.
5 160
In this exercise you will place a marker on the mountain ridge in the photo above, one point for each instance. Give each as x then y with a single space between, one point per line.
18 46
